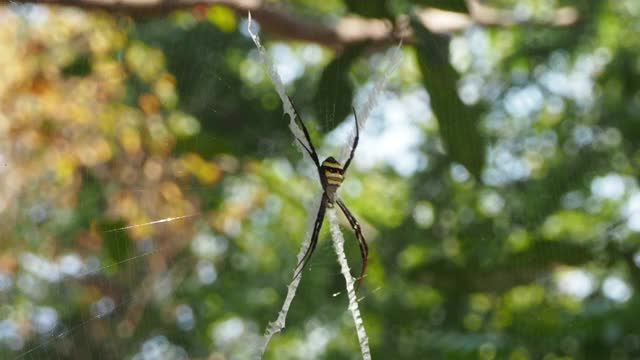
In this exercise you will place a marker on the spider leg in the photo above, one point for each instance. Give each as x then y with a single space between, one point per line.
364 249
355 142
314 236
311 150
304 146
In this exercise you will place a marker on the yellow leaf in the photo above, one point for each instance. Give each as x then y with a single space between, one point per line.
222 17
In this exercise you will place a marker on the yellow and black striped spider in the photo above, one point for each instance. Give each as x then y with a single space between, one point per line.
331 174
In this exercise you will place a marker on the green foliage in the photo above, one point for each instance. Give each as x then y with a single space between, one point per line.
118 245
373 8
80 66
449 5
512 236
334 94
458 123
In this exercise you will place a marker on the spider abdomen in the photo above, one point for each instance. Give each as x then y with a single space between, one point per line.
333 178
332 174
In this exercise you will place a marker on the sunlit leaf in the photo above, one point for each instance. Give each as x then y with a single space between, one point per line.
222 17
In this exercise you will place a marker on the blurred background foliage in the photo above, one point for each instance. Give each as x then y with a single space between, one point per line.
496 182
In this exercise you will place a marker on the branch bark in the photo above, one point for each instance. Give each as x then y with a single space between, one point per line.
281 22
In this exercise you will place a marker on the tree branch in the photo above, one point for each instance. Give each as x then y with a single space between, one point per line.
281 22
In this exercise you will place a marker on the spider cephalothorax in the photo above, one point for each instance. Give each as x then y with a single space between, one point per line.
331 174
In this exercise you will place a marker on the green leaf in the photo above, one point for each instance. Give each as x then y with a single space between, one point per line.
91 201
334 95
117 243
449 5
458 122
80 66
369 8
90 208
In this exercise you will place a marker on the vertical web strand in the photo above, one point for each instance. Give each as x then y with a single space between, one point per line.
279 86
277 326
338 245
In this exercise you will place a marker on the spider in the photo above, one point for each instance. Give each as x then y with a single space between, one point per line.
331 174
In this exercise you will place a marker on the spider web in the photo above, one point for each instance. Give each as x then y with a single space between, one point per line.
60 298
51 331
338 240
